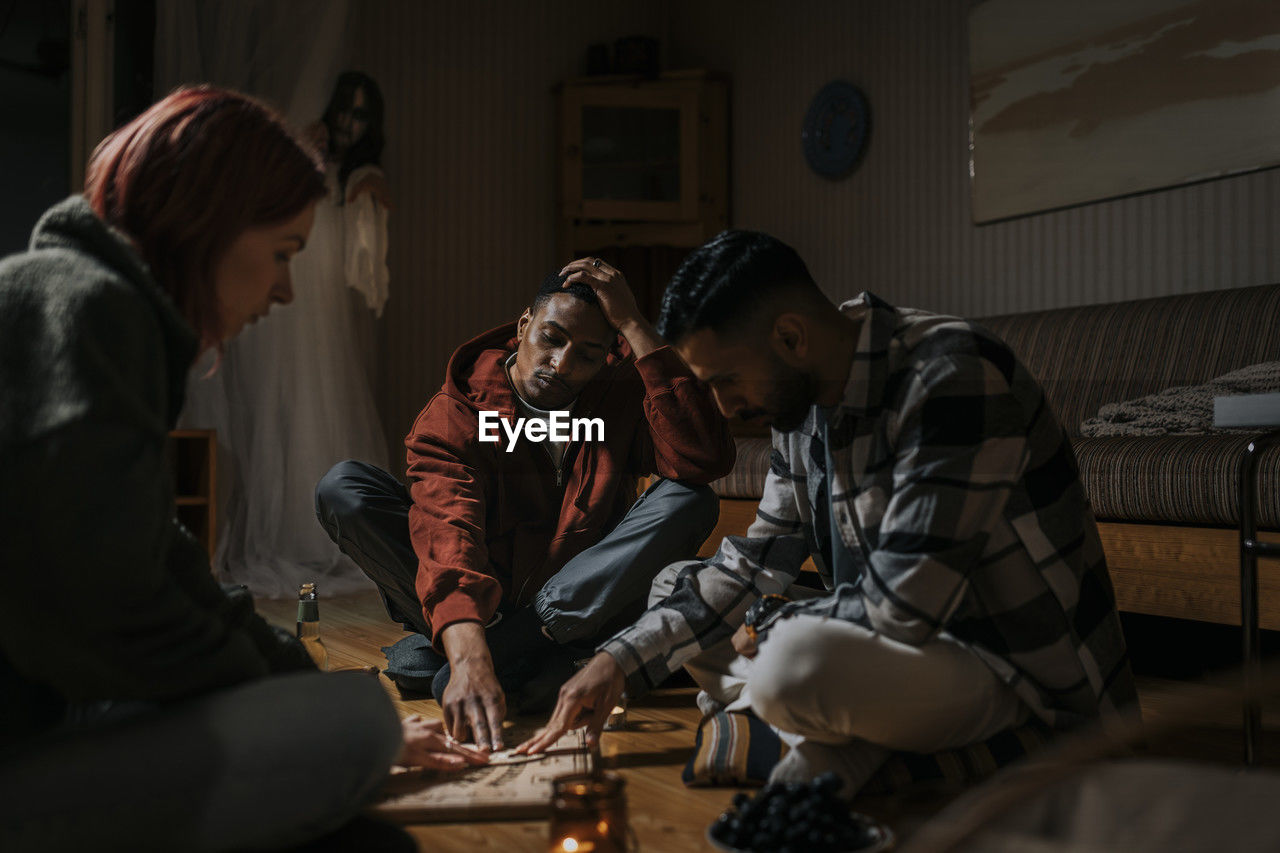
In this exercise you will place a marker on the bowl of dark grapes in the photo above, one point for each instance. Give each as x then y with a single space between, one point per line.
797 816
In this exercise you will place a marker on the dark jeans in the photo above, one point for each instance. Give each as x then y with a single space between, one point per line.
365 511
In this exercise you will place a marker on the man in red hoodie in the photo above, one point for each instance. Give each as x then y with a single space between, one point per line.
513 553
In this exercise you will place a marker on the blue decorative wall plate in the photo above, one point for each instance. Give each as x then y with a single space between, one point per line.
835 129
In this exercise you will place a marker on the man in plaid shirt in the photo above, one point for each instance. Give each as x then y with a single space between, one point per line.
918 463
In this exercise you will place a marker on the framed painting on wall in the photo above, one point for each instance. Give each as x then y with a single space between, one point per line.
1072 103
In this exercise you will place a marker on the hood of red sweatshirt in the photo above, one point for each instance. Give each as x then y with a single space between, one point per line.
475 375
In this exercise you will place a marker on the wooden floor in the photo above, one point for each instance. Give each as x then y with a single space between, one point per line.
665 815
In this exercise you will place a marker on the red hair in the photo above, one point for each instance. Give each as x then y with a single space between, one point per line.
185 178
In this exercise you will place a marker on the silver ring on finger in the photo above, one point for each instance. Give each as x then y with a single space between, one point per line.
595 262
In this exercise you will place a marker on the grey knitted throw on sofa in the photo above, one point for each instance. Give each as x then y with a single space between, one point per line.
1186 409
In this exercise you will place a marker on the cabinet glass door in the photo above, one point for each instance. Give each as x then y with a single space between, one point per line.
630 154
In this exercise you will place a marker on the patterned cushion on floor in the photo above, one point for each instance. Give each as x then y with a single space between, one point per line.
732 749
736 749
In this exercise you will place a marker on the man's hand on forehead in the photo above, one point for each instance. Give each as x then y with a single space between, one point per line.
617 302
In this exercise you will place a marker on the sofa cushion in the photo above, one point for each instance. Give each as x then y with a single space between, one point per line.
746 480
1193 479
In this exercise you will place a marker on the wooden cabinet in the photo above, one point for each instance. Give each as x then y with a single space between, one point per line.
643 162
193 463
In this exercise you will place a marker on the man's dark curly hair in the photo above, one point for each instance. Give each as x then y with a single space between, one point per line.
551 285
724 283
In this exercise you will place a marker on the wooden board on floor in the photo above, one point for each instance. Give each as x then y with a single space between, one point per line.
649 754
502 791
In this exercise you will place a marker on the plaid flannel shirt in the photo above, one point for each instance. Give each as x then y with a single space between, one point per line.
958 500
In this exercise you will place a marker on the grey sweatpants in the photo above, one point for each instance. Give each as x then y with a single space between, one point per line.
270 763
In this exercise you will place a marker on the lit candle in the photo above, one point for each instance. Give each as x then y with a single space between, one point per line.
589 814
617 718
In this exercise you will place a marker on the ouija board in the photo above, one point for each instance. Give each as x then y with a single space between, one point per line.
511 787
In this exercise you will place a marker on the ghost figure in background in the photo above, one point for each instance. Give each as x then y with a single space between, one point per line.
301 379
351 135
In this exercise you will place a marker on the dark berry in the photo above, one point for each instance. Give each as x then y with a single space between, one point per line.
829 782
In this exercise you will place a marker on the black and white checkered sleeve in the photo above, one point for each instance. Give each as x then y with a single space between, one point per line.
711 596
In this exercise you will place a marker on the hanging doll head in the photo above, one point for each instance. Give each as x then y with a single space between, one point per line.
354 121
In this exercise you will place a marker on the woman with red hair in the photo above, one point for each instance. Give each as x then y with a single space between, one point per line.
142 706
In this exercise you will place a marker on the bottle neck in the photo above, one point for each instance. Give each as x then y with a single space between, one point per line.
308 610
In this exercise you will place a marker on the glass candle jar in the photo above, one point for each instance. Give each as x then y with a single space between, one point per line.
617 718
589 814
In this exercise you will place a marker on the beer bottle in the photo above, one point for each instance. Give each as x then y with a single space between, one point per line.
309 626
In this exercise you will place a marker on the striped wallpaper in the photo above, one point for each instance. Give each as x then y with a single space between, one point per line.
471 136
901 225
471 158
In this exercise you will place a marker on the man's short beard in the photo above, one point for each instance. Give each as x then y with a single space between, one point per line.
791 394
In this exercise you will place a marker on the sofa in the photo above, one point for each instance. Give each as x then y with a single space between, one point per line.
1167 505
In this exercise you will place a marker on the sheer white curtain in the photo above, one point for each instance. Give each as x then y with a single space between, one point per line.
291 396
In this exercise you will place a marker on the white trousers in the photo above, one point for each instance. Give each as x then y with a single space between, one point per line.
844 697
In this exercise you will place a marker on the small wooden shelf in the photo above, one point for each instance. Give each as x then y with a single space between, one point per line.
193 463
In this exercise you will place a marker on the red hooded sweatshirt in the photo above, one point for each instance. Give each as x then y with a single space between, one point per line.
489 525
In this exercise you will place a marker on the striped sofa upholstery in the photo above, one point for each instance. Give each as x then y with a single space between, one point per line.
1085 357
1178 492
746 480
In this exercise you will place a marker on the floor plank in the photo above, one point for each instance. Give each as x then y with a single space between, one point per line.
665 815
